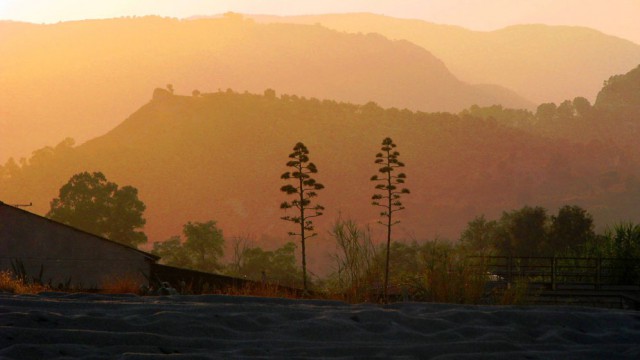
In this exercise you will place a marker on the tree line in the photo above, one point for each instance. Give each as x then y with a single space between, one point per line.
92 203
467 161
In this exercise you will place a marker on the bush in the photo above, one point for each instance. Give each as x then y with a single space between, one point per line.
355 272
447 275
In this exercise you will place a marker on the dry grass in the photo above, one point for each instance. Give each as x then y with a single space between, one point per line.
12 284
262 290
123 284
454 284
515 294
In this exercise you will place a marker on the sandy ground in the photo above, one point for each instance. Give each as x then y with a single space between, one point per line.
89 326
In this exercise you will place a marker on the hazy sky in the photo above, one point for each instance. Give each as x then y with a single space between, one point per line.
614 17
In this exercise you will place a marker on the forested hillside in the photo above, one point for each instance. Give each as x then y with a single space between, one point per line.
82 78
542 63
220 156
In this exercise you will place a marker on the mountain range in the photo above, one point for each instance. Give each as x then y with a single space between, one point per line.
220 156
213 142
541 63
81 78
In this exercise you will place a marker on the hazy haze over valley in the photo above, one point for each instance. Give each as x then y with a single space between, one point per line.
540 62
212 143
74 82
79 79
320 179
220 155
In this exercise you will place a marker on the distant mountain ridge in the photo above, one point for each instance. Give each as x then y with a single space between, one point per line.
220 156
80 78
542 63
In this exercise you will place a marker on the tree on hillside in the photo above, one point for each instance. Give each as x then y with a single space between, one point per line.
10 170
529 231
277 266
621 94
172 253
91 203
522 232
479 236
546 111
201 250
389 198
305 188
205 244
582 106
565 110
572 227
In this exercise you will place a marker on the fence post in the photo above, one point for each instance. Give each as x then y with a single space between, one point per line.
598 270
509 275
553 272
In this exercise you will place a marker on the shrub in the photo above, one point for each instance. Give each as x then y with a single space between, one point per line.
448 276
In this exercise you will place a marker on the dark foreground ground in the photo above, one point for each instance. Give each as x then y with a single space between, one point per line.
89 326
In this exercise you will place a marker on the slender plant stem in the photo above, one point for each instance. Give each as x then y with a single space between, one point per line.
304 253
386 271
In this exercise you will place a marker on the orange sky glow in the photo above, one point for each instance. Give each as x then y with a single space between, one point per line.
614 17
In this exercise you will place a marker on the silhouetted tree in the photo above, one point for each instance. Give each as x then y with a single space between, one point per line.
91 203
480 235
201 250
172 252
277 266
582 106
546 111
270 94
522 232
529 231
205 244
565 110
10 170
389 199
571 228
620 96
304 188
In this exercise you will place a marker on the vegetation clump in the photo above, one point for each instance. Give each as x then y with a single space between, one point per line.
201 250
15 285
